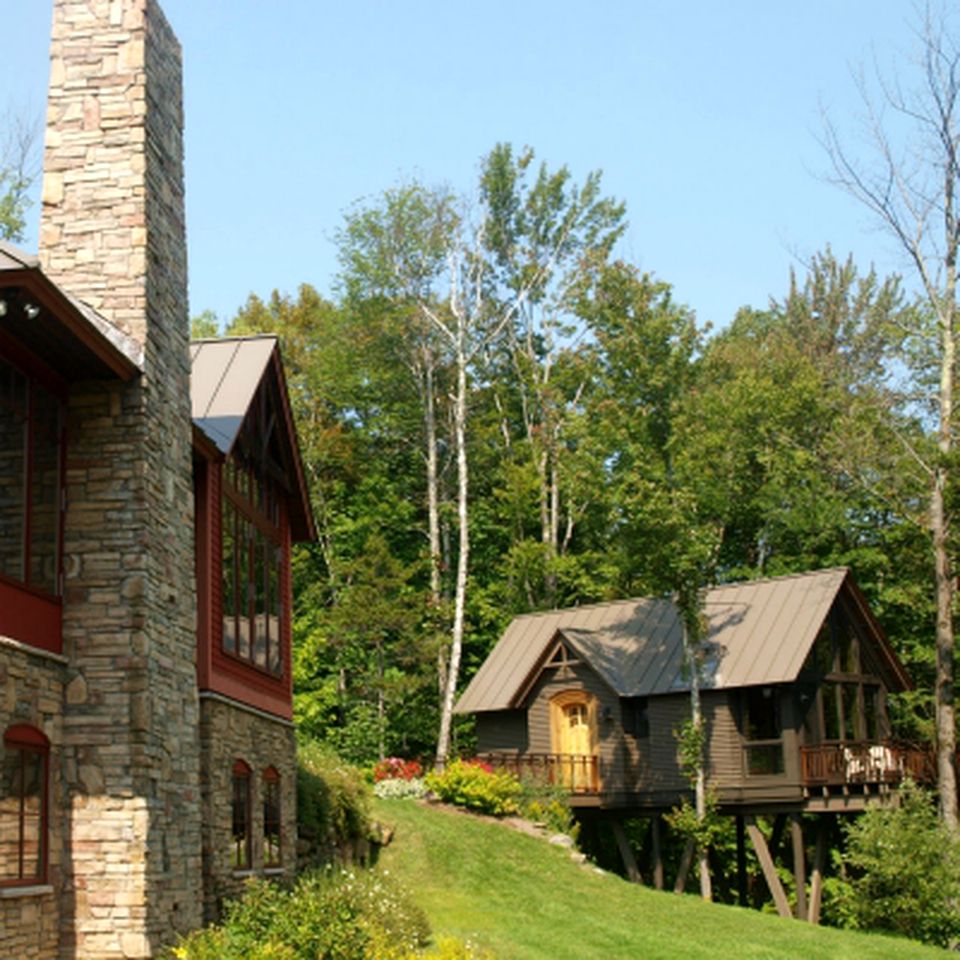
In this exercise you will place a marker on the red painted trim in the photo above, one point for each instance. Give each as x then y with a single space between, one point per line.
27 739
23 735
30 616
241 768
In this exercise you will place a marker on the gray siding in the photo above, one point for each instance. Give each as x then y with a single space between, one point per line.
502 731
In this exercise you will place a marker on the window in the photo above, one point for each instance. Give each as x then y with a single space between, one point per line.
762 730
241 833
252 555
636 717
23 807
30 480
271 818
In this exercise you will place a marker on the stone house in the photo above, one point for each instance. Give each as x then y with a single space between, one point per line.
150 491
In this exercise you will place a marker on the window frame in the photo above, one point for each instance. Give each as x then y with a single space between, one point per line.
28 740
272 803
241 808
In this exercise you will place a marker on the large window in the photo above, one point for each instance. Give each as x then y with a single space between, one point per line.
271 818
251 595
240 850
850 705
30 480
23 806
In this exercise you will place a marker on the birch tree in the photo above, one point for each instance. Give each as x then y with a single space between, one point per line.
908 176
545 237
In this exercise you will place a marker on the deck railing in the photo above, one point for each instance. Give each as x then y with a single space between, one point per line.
579 773
855 763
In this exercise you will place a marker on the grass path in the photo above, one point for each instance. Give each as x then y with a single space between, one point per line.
523 899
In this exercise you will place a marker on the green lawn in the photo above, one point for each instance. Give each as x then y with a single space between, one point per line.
520 897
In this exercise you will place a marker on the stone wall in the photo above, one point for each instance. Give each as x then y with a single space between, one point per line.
31 692
230 732
112 234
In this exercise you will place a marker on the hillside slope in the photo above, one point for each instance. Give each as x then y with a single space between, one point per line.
526 900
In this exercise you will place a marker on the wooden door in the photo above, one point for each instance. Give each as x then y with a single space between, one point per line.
574 740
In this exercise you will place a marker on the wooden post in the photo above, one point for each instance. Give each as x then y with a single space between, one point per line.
799 865
816 879
685 862
657 853
769 870
741 863
626 853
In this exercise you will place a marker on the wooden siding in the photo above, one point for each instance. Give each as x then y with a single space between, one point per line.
502 731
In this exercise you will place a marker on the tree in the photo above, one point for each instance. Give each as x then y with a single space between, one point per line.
18 171
904 870
545 237
910 184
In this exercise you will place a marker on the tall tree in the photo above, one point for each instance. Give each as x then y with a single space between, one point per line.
909 181
545 237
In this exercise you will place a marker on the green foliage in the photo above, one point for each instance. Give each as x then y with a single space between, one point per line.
475 786
333 799
548 804
904 871
705 831
330 915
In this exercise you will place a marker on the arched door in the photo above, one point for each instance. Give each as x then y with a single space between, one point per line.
574 739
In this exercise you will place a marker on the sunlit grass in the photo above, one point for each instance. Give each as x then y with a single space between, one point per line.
522 898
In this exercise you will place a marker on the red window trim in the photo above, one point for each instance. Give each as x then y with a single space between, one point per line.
26 739
271 777
242 772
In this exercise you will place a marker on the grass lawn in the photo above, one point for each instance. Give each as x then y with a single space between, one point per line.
521 898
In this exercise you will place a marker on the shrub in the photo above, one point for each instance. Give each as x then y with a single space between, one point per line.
395 768
903 871
333 801
399 789
476 786
548 804
328 915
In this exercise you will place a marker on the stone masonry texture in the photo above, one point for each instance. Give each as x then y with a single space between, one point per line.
112 234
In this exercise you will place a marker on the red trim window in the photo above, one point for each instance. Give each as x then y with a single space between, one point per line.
252 543
23 806
31 480
271 818
241 810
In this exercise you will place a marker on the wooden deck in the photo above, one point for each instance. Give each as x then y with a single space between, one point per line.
849 764
578 773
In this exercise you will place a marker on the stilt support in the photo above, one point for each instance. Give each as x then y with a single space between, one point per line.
657 854
626 853
799 865
685 862
769 870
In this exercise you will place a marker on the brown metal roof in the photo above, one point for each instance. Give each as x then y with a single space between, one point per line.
759 632
225 375
69 336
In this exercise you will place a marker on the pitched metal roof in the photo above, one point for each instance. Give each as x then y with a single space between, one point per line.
760 632
71 336
225 375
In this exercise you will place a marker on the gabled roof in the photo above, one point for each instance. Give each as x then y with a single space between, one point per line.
71 336
225 376
759 633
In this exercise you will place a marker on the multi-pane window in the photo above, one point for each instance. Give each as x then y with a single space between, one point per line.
271 818
240 848
252 556
30 480
23 806
850 704
762 730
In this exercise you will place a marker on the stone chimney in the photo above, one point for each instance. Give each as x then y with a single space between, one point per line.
112 227
112 234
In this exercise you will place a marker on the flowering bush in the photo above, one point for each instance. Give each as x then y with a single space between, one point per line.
400 789
475 785
396 768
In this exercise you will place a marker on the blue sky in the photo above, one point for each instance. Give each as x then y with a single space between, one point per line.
703 116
